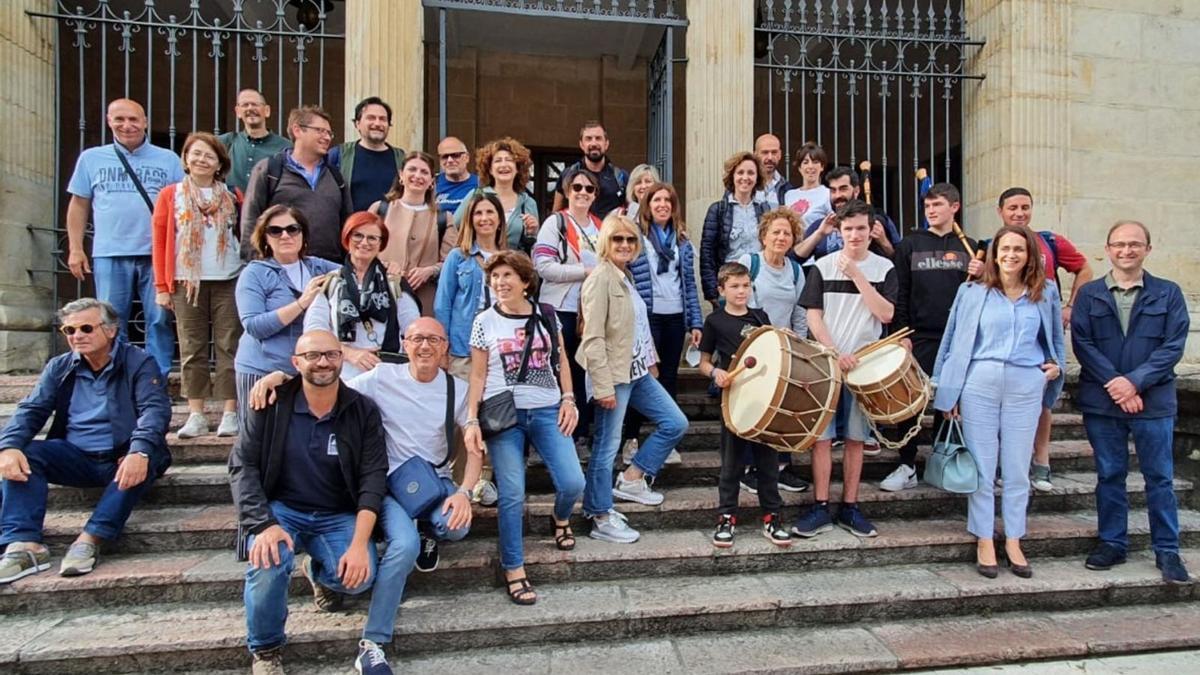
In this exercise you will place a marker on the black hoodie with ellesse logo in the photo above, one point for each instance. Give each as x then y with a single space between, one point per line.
929 268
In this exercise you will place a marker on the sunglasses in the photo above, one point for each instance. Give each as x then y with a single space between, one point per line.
451 156
583 187
277 231
331 356
624 239
85 328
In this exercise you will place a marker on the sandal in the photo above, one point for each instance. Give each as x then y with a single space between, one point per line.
564 538
523 594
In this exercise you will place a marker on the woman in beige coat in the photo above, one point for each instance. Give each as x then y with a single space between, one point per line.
409 210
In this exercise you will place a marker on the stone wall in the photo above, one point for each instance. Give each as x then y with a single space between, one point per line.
26 183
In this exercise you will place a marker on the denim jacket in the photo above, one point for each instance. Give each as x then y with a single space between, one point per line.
958 343
457 300
138 407
641 272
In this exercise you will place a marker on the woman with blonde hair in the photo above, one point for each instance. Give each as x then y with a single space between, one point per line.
640 180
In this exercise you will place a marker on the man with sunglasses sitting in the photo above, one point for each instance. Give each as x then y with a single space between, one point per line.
111 413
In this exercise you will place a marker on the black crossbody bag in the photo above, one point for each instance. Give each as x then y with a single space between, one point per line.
499 413
133 177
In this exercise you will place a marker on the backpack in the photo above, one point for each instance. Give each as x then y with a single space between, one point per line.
756 265
275 172
562 234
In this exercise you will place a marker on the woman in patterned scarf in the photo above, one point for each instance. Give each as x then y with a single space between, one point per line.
196 264
366 309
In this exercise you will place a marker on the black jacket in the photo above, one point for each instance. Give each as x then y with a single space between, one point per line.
714 241
255 465
929 270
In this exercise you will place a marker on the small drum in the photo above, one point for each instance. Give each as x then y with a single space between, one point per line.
889 385
790 395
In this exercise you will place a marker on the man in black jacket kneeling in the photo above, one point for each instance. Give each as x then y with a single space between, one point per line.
309 473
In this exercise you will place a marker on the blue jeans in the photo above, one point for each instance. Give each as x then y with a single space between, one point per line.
648 397
326 537
396 563
117 279
539 426
23 508
1153 439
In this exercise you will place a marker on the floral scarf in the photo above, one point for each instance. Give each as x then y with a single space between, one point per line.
195 219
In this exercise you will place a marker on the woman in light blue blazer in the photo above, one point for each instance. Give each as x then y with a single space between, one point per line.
999 363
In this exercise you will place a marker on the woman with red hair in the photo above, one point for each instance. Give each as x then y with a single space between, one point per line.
366 309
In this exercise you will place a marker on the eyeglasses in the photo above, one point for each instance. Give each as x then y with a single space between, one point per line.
277 231
624 239
1131 245
583 187
431 340
359 237
452 156
85 328
321 131
331 356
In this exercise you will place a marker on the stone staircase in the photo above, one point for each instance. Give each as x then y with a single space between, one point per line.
167 595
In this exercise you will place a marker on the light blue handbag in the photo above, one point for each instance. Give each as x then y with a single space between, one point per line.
951 466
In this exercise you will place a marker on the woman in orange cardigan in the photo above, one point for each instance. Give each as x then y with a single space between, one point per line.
196 263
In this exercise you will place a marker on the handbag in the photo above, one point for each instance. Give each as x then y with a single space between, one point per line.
951 466
421 488
499 413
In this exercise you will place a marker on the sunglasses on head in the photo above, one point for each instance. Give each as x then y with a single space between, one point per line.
276 231
583 187
85 328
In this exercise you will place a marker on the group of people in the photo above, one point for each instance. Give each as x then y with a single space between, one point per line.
394 342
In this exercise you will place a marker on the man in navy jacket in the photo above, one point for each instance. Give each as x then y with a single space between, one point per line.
1129 330
111 412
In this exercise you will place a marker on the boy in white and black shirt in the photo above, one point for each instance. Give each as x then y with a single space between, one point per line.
849 295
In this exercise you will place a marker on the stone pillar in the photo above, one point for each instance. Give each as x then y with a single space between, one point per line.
27 174
385 57
720 98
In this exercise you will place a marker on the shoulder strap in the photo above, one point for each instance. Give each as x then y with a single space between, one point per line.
546 316
133 177
274 173
383 207
562 237
795 270
1051 243
755 265
337 175
449 424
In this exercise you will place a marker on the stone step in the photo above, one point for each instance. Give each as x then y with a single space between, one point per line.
699 613
203 570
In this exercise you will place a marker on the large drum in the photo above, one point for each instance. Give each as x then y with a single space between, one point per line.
889 385
790 395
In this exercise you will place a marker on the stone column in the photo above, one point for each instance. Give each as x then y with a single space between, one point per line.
720 98
385 57
27 174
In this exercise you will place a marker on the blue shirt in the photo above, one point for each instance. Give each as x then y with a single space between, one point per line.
1008 331
312 478
373 175
452 193
119 214
88 425
313 177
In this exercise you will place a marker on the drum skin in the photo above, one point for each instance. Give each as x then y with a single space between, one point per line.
889 385
790 396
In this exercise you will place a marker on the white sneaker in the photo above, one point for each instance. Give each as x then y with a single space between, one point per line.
613 528
674 457
903 478
629 450
228 425
636 491
196 425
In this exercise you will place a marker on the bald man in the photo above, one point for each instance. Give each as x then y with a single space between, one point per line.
117 185
769 152
456 182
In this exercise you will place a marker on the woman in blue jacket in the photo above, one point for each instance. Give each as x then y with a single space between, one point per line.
999 363
272 295
664 275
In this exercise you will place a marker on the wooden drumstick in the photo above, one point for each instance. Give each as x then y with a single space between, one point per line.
963 238
892 339
748 362
864 169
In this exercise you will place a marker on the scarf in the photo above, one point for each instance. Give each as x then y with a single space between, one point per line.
664 250
372 303
195 219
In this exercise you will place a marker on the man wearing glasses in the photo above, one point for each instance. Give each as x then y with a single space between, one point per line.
309 473
455 182
110 413
303 179
255 142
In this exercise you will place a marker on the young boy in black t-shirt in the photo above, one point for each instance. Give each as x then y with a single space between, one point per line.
723 333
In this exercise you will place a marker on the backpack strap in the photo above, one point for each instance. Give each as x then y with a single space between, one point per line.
546 314
795 270
449 423
755 266
562 237
274 173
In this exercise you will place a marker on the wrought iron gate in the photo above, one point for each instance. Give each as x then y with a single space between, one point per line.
873 80
660 106
184 61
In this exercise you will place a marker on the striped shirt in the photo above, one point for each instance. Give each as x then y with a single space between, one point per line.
850 323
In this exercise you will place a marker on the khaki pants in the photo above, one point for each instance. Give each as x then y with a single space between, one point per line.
215 305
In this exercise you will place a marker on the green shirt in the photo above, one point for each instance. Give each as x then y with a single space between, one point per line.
245 152
1124 298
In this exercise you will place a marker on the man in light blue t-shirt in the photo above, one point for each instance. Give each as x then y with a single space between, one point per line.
455 183
103 186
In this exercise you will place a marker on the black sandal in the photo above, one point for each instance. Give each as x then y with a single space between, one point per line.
564 538
523 594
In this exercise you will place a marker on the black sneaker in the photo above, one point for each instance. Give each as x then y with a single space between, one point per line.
427 558
775 531
790 481
1173 571
1104 557
750 481
723 537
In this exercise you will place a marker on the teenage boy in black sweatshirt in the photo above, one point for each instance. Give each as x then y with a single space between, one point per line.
930 266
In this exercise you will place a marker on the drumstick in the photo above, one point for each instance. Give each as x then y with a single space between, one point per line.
748 362
963 238
892 339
